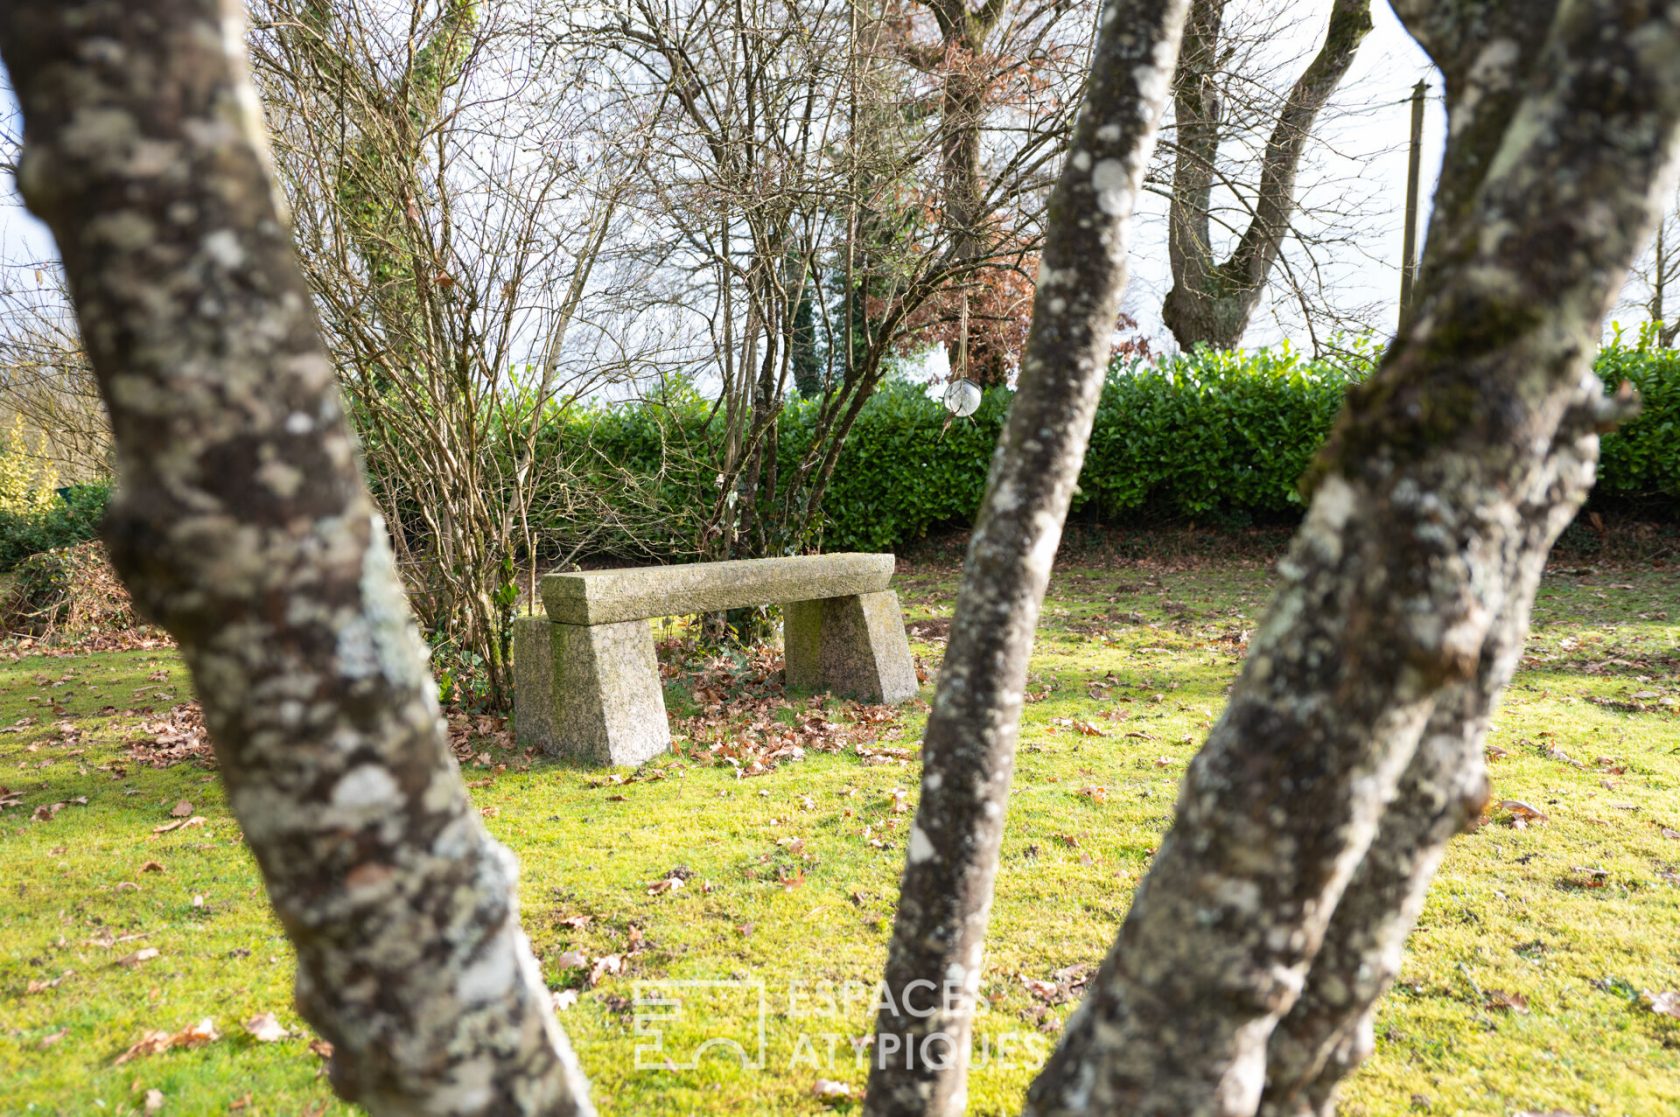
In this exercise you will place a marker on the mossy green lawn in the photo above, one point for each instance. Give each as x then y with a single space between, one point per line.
1521 989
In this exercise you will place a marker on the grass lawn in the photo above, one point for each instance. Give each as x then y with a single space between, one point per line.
1522 990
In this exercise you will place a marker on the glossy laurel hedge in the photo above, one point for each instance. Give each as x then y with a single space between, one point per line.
1210 436
1214 437
1219 438
1640 463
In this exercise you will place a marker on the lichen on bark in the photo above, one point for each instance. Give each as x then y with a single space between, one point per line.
241 524
919 1066
1404 601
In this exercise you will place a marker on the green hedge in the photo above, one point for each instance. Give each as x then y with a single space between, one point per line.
1639 463
1224 435
907 466
1219 437
1209 435
1216 437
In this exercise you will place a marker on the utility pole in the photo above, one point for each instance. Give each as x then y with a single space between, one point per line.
1408 250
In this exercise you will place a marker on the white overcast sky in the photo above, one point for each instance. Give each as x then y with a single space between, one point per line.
1386 68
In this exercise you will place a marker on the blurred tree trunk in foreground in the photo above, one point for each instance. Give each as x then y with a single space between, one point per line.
242 525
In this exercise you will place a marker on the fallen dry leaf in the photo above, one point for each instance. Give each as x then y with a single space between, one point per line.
1664 1004
830 1090
265 1028
52 1037
1557 754
145 954
604 965
154 1100
1507 1002
1522 814
175 738
1587 877
153 1042
183 809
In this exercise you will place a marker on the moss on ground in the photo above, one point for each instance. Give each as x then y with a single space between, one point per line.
1521 990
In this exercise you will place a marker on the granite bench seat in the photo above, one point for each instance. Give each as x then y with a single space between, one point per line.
586 681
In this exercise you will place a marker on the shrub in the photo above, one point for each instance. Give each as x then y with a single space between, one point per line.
1217 437
1640 462
73 516
906 467
1220 437
66 594
1212 434
27 478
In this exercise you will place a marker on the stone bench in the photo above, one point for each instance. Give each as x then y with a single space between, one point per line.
586 683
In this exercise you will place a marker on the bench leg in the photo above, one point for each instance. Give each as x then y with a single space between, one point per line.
852 646
589 692
533 683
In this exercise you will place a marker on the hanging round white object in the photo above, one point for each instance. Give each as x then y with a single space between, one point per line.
962 398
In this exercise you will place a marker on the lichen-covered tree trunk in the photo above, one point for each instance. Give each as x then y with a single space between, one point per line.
1404 597
922 1034
1328 1031
1211 301
241 524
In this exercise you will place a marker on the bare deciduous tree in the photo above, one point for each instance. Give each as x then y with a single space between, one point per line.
452 199
44 373
1212 300
1654 285
801 149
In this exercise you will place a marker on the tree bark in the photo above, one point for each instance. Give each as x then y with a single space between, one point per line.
242 525
1328 1031
933 969
963 33
1404 596
1210 303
